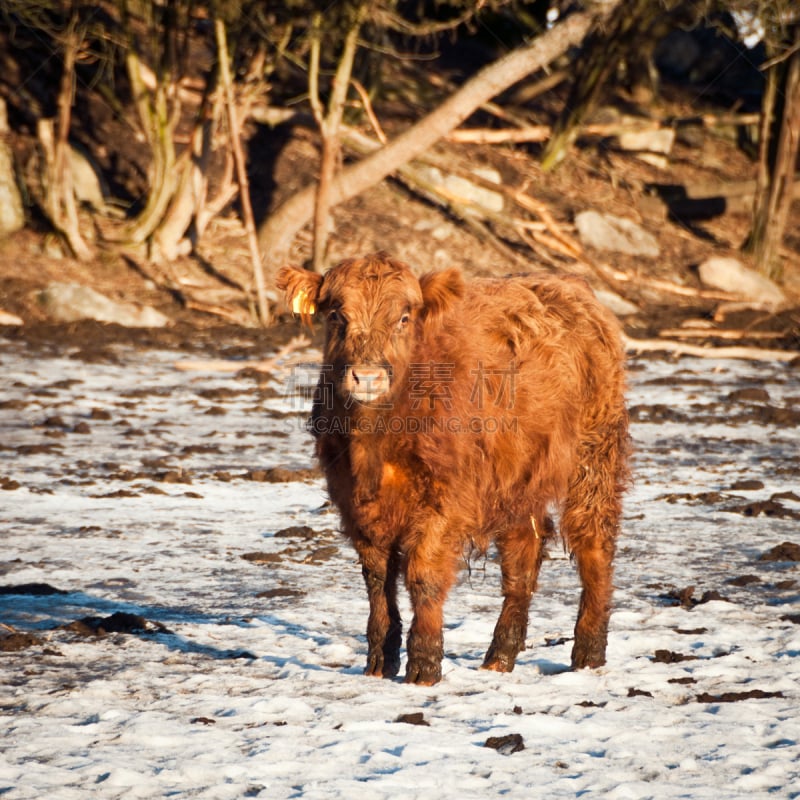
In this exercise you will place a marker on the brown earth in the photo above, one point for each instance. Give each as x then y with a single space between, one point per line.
390 217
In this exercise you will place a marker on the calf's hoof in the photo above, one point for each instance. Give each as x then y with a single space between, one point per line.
380 667
589 652
497 662
423 672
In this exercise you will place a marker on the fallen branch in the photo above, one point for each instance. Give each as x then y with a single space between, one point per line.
530 133
553 236
541 133
523 199
712 333
682 349
674 288
537 235
530 91
231 314
271 364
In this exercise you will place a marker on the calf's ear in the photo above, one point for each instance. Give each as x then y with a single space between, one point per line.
440 291
301 290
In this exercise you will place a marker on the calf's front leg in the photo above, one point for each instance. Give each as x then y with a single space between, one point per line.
429 576
384 626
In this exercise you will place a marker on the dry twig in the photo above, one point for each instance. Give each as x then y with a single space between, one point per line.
241 172
712 333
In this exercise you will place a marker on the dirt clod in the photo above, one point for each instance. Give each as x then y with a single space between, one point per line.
15 641
32 589
506 745
263 558
786 551
413 718
118 622
671 657
735 697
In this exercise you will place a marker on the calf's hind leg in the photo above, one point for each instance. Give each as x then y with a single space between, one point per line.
590 524
594 558
521 554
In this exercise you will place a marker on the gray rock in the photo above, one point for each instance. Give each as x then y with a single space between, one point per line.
730 275
87 180
616 304
68 302
659 140
608 232
650 146
469 191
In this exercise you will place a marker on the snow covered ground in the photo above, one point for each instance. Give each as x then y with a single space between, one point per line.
132 487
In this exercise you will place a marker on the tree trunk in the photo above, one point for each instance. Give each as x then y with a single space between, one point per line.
59 196
158 124
778 149
278 231
329 124
241 170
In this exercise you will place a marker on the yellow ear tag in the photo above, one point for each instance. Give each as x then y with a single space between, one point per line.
300 300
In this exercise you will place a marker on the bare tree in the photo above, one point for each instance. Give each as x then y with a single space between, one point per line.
779 137
329 120
59 199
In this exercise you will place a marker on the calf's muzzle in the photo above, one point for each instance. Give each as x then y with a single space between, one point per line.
366 383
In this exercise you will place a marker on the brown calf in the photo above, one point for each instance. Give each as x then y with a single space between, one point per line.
452 414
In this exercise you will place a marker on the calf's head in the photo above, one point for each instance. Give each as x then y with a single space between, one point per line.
374 310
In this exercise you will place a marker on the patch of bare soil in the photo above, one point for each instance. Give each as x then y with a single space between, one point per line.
597 175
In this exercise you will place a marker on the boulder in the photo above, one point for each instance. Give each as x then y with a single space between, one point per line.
615 303
651 146
619 235
87 180
659 140
468 191
730 275
68 302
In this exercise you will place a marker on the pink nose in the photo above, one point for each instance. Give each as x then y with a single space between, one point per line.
365 383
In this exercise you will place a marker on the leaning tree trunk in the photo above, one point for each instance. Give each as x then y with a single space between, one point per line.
603 51
779 136
157 102
158 120
279 229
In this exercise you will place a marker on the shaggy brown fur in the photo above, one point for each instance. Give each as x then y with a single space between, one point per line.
449 415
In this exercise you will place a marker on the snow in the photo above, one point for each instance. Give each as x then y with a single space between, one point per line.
257 691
